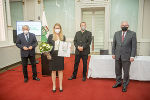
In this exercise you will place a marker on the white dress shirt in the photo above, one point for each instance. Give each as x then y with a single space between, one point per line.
57 44
26 36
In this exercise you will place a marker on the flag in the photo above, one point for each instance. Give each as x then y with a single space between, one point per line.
44 28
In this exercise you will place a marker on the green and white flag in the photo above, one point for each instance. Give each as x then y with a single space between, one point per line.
45 30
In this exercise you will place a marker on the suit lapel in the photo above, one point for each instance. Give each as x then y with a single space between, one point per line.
24 38
120 36
29 37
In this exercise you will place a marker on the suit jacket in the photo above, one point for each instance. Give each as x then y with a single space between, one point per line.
21 42
125 49
52 42
83 39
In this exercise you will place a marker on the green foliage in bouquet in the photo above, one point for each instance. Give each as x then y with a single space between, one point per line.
44 47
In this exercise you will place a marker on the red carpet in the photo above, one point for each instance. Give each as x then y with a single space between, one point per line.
12 87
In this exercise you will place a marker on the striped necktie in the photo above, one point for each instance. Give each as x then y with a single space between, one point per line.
27 38
123 36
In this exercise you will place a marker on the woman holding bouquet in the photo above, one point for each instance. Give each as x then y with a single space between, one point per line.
56 63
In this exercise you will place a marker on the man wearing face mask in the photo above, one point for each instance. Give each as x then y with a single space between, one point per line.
123 51
27 42
82 43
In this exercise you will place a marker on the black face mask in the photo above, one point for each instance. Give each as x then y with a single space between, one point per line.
124 28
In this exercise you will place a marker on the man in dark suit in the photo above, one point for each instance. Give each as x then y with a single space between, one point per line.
27 42
82 43
123 51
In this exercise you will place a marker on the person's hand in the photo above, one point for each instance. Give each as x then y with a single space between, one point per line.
80 48
25 48
113 56
30 47
49 57
131 59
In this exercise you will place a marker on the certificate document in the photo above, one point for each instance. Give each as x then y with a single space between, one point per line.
64 49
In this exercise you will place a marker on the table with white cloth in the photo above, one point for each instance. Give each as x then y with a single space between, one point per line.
103 66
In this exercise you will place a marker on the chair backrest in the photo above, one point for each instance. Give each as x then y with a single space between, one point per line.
103 52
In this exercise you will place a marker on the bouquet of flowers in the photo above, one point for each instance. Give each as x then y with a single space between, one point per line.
45 49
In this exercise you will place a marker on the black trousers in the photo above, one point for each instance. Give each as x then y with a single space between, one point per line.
25 63
76 64
119 64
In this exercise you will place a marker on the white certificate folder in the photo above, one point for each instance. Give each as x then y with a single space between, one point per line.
64 49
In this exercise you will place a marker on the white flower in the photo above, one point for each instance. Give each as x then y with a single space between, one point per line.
44 45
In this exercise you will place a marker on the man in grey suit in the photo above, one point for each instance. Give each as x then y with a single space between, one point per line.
27 42
123 51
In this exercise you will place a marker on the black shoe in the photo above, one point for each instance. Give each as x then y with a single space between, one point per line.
37 79
72 77
60 90
124 89
84 79
25 80
53 91
116 85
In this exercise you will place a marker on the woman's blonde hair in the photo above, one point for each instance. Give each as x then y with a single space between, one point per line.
55 34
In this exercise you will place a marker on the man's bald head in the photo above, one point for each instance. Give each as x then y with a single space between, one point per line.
124 25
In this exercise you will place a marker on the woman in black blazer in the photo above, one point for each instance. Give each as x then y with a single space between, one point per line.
57 62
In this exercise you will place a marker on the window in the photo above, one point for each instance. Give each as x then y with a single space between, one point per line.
2 27
146 20
95 20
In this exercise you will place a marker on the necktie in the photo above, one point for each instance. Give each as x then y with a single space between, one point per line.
123 36
27 38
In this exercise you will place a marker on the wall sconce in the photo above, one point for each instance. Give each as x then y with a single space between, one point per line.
22 2
39 1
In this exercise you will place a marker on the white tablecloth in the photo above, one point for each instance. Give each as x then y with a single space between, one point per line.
103 66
